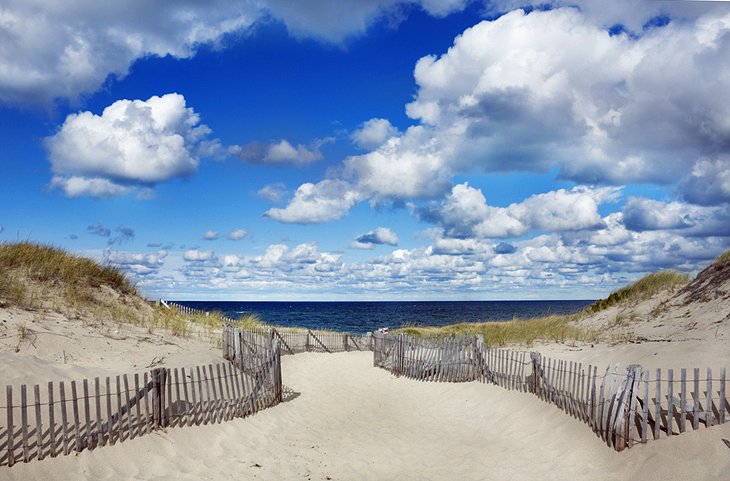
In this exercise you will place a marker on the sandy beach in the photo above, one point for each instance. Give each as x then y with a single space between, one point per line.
344 419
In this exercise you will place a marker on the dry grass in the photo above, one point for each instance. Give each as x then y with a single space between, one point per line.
51 265
517 331
644 288
722 258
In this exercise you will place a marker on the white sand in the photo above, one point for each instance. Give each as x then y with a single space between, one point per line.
344 419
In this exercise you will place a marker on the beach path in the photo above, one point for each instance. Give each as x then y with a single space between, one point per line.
343 419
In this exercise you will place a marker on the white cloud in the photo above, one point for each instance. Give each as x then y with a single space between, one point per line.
132 143
237 234
210 235
709 182
195 255
465 212
63 49
641 214
549 88
322 202
136 263
283 152
274 193
334 20
373 133
379 236
74 186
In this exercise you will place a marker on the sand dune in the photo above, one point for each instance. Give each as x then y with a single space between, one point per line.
344 419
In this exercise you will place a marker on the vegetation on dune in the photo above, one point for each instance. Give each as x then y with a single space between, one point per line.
722 258
47 264
644 288
517 331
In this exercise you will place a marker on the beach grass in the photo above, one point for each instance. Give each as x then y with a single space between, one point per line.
645 288
553 328
51 265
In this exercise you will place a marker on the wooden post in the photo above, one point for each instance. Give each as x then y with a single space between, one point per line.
75 408
658 405
156 398
709 416
645 407
110 425
38 425
24 421
97 392
51 420
11 427
137 403
683 400
722 395
670 402
696 396
145 378
87 414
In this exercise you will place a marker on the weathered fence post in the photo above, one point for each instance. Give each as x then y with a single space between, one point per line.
535 358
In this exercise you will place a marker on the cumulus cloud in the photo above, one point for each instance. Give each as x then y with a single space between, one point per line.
314 203
465 213
124 235
196 255
56 50
132 143
334 20
52 49
373 133
136 263
210 235
283 152
274 193
237 234
708 183
642 214
98 229
555 90
379 236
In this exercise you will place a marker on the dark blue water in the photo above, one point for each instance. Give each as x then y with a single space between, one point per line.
359 317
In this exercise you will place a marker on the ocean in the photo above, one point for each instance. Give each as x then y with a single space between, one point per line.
359 317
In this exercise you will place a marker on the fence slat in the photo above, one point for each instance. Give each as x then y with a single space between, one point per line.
87 413
11 426
24 422
683 400
51 421
38 424
709 416
110 421
670 402
75 409
138 409
722 395
645 408
97 405
696 396
658 404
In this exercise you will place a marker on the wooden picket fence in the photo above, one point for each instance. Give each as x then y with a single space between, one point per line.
106 411
622 406
296 341
192 312
629 406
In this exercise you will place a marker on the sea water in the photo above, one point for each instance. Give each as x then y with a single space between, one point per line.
358 317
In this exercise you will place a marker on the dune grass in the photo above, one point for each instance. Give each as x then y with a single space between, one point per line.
48 264
644 288
553 328
722 258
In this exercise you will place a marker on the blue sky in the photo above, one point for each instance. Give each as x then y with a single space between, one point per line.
346 150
